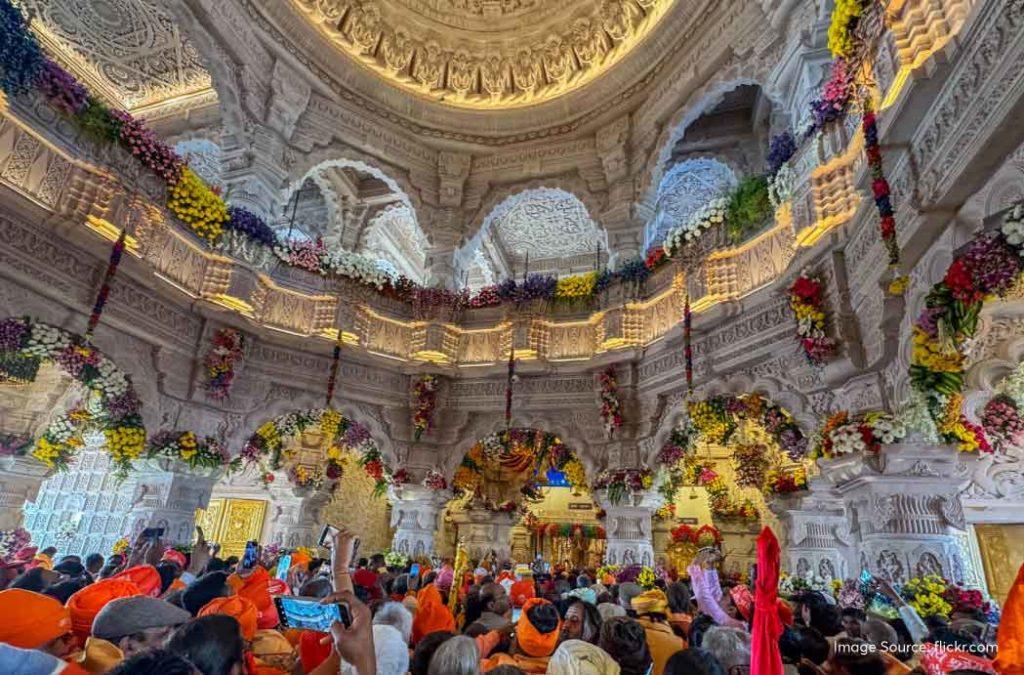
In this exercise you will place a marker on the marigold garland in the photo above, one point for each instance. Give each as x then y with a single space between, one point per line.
196 205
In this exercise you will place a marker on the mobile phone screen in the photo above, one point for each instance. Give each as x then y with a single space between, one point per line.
414 571
250 556
327 536
283 565
307 613
515 615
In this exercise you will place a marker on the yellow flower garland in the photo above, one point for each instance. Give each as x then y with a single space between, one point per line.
576 287
195 204
840 37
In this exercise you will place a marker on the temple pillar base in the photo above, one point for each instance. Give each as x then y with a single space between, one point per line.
414 513
816 534
481 531
296 518
628 527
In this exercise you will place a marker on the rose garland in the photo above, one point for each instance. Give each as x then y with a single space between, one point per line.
424 393
266 449
621 483
225 351
611 407
843 434
807 302
113 405
197 452
989 266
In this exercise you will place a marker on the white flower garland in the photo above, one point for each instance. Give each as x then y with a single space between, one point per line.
1013 226
712 213
780 186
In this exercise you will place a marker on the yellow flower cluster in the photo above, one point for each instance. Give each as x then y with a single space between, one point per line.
334 452
951 425
465 479
647 481
709 421
926 595
807 311
931 605
125 443
47 452
120 547
268 432
192 201
646 578
188 446
576 287
840 37
935 355
574 473
330 422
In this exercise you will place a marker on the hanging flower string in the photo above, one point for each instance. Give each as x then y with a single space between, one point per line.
332 379
687 343
225 351
424 391
882 194
104 292
611 407
807 302
508 384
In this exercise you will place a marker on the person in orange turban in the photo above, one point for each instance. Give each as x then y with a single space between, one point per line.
85 604
238 607
1010 638
176 557
536 637
524 589
145 578
255 586
35 621
433 615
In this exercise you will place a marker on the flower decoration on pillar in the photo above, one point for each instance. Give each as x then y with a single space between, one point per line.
13 541
306 477
152 152
112 406
927 595
424 393
623 483
528 452
108 277
788 481
196 205
843 434
206 452
611 407
1001 417
435 480
806 299
226 349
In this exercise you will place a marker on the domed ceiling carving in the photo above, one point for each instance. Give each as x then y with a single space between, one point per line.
486 54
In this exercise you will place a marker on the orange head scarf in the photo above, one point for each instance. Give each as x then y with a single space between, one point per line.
238 607
1010 638
85 604
256 587
176 557
30 620
300 558
522 591
145 578
433 615
529 639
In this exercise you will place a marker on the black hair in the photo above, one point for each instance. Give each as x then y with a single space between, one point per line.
851 659
71 568
314 565
855 613
203 590
168 572
543 617
49 551
212 643
698 627
317 587
216 565
400 585
154 662
949 639
813 645
679 597
109 570
362 562
790 646
626 642
420 662
65 589
93 559
824 616
31 580
506 669
695 661
231 560
429 579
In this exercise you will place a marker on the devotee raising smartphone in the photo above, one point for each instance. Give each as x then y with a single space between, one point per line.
308 613
251 555
327 535
414 571
283 565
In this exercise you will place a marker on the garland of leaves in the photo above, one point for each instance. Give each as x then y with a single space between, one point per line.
266 448
989 266
611 407
112 406
808 305
226 349
424 393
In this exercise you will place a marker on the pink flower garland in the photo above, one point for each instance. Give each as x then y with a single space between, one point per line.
219 362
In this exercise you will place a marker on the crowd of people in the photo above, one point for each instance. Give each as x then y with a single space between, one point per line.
162 611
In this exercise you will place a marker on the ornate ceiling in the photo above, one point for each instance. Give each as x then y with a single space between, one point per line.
128 51
486 53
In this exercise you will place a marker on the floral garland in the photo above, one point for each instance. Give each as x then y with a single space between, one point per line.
13 541
314 256
424 393
306 477
528 451
435 480
196 452
716 419
585 530
225 350
621 483
807 302
578 287
266 450
611 407
927 595
705 535
882 194
103 294
196 205
788 482
843 434
989 266
751 463
113 406
376 468
708 216
1001 417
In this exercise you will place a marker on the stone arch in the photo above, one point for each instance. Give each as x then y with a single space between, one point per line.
700 101
685 188
997 350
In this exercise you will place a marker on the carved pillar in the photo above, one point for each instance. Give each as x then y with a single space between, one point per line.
482 531
254 173
295 518
414 513
815 533
20 478
167 494
628 524
906 507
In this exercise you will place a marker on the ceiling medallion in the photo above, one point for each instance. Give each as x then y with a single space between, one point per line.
486 54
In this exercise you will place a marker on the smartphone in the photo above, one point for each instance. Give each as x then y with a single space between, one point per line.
414 571
153 532
327 536
283 565
515 614
251 555
309 614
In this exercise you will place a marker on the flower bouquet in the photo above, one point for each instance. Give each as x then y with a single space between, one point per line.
435 480
1002 422
751 465
927 595
220 359
784 483
806 301
12 541
842 435
310 477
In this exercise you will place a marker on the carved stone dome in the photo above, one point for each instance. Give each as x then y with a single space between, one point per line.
486 53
